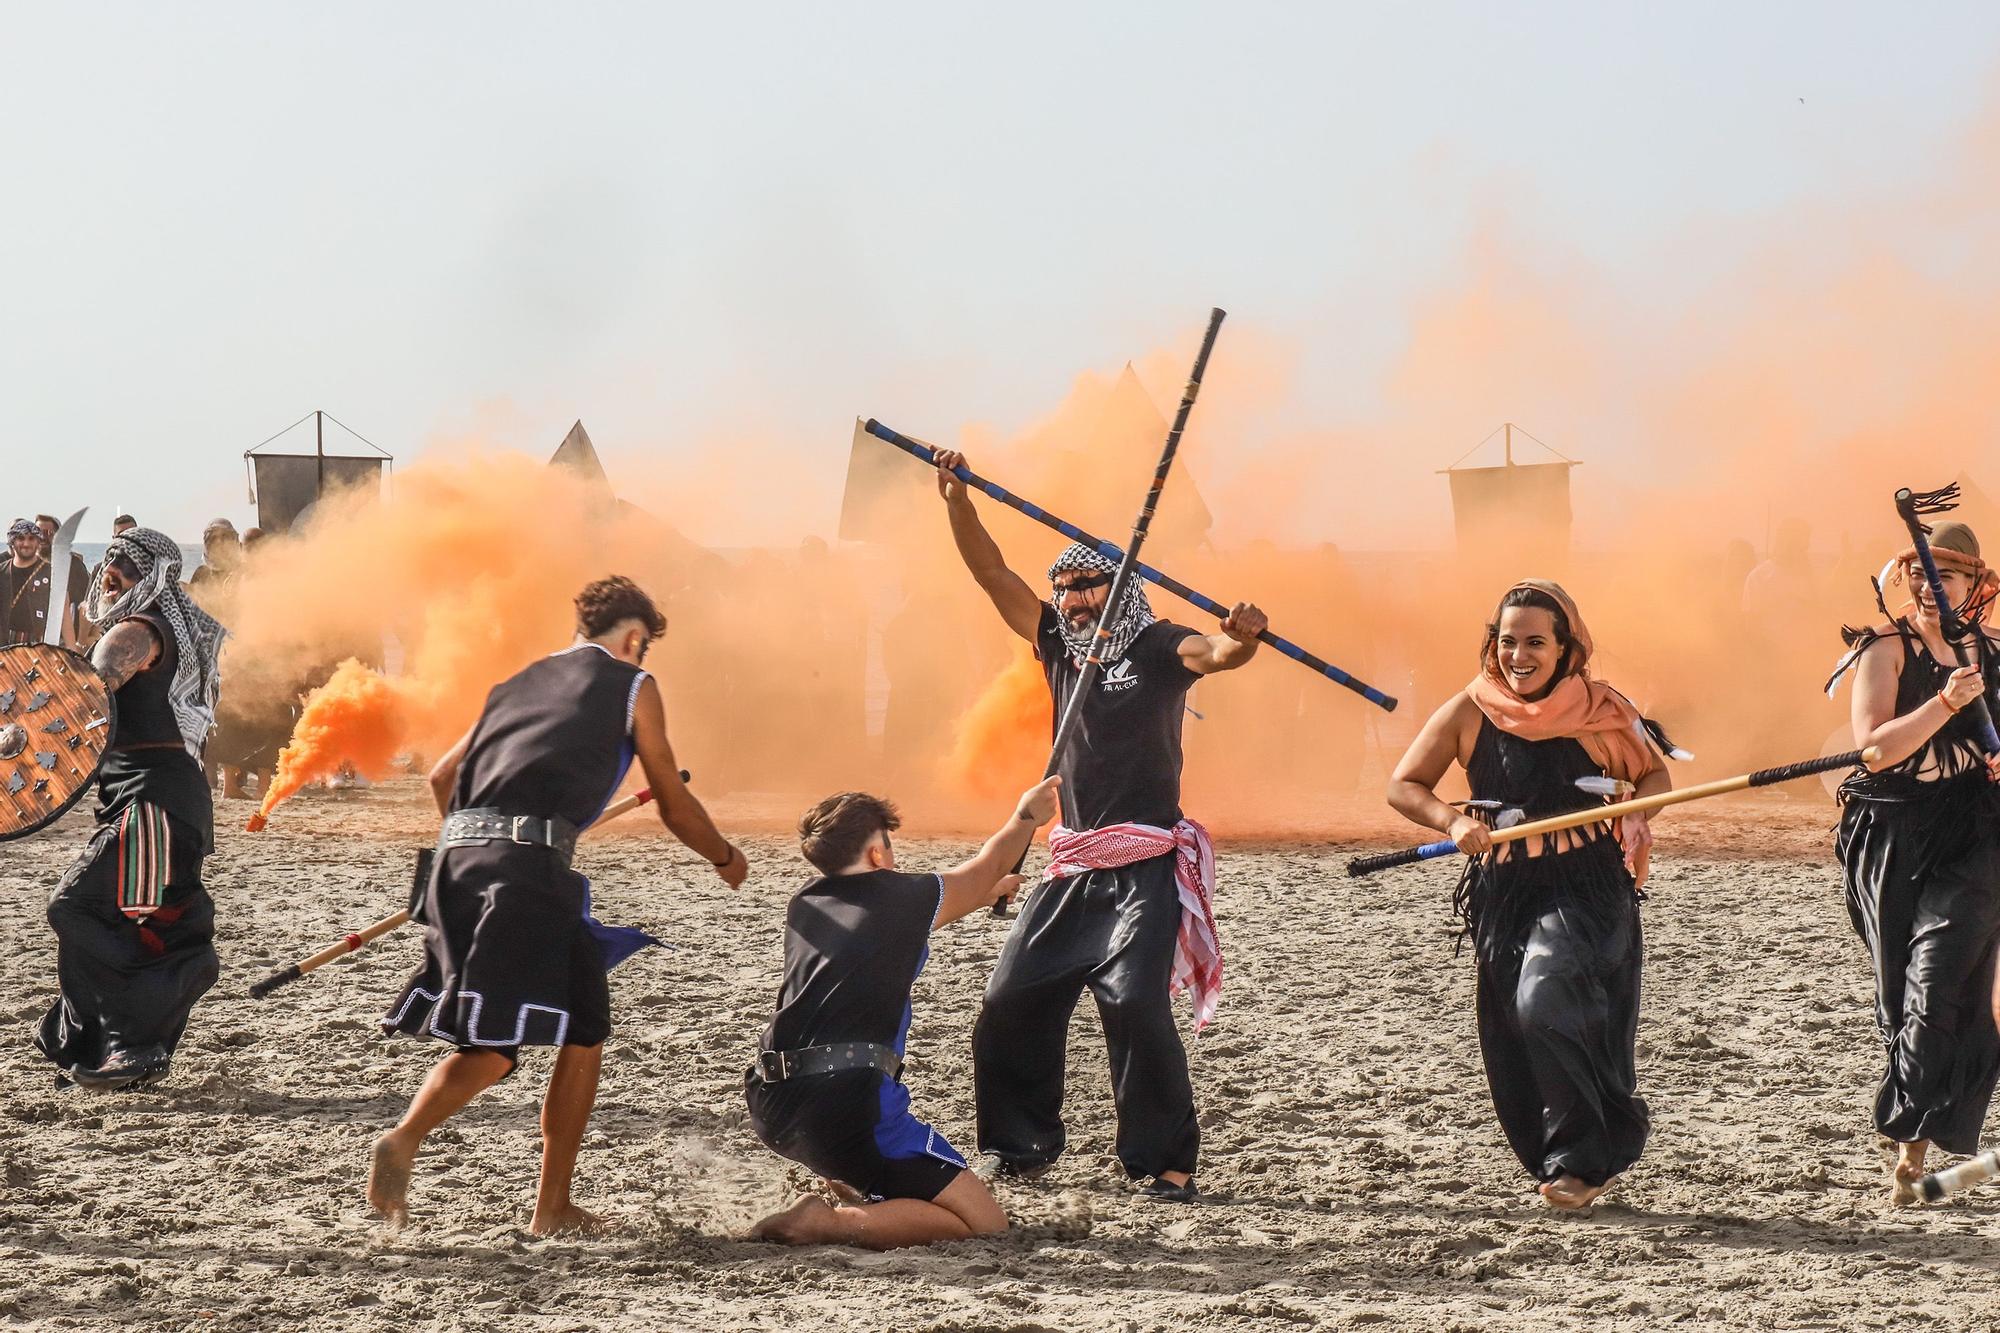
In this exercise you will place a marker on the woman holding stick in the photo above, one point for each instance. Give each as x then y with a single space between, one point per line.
1919 845
1554 920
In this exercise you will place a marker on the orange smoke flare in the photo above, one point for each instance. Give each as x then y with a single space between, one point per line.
358 717
1002 741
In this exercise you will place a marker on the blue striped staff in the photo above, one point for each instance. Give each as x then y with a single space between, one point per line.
924 453
1597 814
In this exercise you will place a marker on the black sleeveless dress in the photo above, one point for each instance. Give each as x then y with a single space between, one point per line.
511 957
1919 845
1560 948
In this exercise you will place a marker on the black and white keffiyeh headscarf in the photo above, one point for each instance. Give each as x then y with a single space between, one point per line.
1133 614
197 635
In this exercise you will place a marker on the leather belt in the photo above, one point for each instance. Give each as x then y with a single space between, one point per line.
777 1066
463 828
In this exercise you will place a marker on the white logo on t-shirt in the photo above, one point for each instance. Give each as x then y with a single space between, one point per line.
1120 676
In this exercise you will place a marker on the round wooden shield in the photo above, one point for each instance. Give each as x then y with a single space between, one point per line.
55 725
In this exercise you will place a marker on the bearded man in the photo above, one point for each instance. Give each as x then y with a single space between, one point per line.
24 586
1124 909
135 928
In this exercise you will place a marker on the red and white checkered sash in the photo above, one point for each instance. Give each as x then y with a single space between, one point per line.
1198 951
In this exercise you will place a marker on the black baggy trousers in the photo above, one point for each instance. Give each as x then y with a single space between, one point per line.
1113 932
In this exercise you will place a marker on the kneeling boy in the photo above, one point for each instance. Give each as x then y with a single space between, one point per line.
826 1090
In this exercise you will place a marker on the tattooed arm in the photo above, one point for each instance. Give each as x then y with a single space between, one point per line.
127 649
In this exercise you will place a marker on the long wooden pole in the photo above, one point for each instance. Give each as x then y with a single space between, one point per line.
1598 814
369 934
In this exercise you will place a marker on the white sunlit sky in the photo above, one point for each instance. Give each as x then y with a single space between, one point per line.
447 219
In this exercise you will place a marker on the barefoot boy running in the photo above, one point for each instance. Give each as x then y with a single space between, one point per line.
826 1090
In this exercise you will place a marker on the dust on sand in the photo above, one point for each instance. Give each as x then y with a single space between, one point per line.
1354 1174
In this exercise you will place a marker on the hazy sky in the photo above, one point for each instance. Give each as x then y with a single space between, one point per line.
439 219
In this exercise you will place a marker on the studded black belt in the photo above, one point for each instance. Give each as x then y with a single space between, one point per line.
463 828
777 1066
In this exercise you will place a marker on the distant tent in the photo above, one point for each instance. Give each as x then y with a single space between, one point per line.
1517 512
577 455
885 493
1128 429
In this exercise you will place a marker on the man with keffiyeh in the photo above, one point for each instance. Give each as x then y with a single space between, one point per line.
134 926
1124 908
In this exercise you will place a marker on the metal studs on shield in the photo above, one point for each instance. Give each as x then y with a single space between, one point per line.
55 725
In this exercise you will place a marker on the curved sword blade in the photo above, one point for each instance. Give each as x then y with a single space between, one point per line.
59 575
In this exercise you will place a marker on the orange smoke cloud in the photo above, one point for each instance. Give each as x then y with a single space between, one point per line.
1846 350
465 571
1005 734
358 717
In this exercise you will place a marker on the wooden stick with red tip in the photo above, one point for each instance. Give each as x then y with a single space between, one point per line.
368 934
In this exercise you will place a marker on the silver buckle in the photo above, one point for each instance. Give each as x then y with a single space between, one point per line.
514 833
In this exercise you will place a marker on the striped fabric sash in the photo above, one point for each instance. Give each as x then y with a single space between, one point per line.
145 857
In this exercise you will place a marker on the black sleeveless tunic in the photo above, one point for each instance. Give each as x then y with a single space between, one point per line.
1919 848
510 955
148 759
1560 949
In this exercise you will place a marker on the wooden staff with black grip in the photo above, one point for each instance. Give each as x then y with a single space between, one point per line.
420 880
1597 814
1093 666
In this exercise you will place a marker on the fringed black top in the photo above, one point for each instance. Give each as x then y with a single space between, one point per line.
1498 898
1953 753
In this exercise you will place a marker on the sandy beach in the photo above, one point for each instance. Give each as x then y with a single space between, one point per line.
1354 1174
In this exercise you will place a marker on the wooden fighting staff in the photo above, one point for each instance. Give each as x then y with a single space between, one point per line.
1913 508
1597 814
924 453
1951 1179
285 976
1093 666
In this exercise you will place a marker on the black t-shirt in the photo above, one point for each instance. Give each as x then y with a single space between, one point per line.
1124 765
24 597
854 945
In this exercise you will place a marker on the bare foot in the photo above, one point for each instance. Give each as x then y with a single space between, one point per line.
1569 1193
1908 1171
804 1223
389 1180
568 1220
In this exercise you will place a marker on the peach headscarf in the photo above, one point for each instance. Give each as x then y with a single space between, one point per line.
1589 711
1953 546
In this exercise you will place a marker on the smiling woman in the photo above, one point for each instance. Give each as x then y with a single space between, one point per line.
1919 844
1556 923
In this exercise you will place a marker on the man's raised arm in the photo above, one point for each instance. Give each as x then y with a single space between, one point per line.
1010 594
